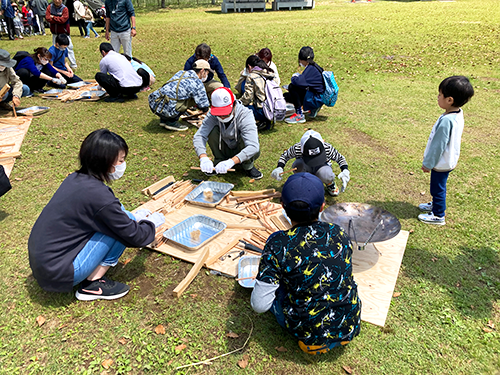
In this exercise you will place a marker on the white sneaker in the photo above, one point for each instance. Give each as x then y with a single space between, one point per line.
425 207
429 218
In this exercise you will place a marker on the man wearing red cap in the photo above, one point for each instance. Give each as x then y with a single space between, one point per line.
231 133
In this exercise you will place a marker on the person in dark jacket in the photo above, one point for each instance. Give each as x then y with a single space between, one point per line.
204 52
8 14
84 228
305 90
29 71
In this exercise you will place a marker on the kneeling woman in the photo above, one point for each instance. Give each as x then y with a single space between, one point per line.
35 70
305 90
255 89
84 229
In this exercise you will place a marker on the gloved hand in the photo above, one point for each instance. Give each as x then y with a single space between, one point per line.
345 176
223 166
141 214
295 74
63 80
156 218
206 165
56 81
276 174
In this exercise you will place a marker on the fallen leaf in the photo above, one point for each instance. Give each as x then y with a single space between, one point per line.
182 135
122 341
135 153
232 335
140 135
18 179
487 330
252 181
160 330
127 261
172 136
170 362
411 173
396 294
144 158
281 349
243 363
185 174
458 285
434 259
491 324
180 347
62 326
40 320
153 149
107 363
412 231
194 295
347 369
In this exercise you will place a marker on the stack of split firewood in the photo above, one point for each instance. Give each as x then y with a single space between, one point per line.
194 118
71 95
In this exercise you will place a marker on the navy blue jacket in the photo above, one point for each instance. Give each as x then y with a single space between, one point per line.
214 65
310 79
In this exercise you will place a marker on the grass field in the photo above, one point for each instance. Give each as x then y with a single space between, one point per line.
389 58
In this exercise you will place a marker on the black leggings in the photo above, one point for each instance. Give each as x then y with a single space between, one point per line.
33 82
295 95
112 85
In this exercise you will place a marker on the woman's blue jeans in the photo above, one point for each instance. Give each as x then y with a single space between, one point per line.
99 250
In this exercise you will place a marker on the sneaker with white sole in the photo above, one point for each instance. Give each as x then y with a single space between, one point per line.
296 119
102 288
254 173
313 113
425 207
332 189
430 218
175 126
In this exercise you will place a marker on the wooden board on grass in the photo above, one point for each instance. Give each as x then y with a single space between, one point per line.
12 137
376 276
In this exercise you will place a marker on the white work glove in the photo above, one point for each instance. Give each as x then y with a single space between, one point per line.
345 177
295 74
156 218
57 81
223 166
206 165
141 214
276 174
63 81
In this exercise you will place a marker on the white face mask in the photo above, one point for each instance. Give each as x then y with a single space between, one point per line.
2 68
204 79
226 120
302 65
119 171
44 61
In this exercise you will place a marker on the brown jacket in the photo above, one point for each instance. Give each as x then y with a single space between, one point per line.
255 88
9 76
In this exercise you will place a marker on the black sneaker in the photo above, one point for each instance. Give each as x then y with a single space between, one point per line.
254 173
102 288
114 99
210 174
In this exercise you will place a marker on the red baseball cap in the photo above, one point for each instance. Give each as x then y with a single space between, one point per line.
222 102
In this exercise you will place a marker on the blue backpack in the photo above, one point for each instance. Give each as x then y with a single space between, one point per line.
329 97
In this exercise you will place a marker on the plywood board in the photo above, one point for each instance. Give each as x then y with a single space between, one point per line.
12 134
376 275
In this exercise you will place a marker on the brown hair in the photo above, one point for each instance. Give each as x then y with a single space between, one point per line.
43 52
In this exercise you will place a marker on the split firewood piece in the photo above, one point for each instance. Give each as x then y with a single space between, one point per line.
244 226
10 155
279 224
249 193
262 196
221 252
236 212
4 90
8 145
288 171
199 169
192 273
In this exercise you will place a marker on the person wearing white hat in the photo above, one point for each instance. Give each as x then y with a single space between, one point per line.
231 133
312 154
9 76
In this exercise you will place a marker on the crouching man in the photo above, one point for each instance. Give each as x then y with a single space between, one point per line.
305 273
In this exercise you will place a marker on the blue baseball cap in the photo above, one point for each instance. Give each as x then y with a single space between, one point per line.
303 187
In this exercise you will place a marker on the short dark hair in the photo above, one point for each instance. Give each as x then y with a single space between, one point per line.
203 51
297 211
98 153
254 60
105 47
306 54
459 88
62 40
266 55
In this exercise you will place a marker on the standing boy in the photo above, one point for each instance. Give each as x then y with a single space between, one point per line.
59 53
57 15
305 273
443 147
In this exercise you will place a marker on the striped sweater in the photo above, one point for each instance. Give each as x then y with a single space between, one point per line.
294 152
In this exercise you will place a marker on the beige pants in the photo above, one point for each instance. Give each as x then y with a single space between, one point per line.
210 86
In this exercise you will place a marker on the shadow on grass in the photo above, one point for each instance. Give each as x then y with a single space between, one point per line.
268 334
402 210
471 279
134 269
3 215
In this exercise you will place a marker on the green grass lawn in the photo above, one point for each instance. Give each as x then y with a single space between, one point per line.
389 58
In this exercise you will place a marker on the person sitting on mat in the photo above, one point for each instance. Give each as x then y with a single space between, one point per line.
84 228
231 133
181 92
305 273
35 70
305 90
314 155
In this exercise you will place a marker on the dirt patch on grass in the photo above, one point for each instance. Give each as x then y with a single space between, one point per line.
358 137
